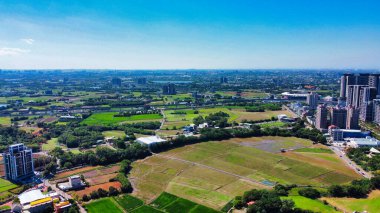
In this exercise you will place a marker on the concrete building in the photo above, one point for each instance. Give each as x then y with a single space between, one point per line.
75 182
34 201
321 117
352 118
223 80
338 117
337 134
353 95
312 100
169 89
18 162
362 142
141 81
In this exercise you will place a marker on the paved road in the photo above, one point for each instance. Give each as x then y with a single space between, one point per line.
63 194
349 162
215 169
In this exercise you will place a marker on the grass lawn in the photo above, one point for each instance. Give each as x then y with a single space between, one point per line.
309 204
5 121
104 205
5 185
272 124
108 118
370 204
128 202
114 133
315 150
50 145
240 156
146 209
173 204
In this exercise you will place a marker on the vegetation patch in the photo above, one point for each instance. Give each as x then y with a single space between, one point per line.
128 202
108 118
104 205
315 150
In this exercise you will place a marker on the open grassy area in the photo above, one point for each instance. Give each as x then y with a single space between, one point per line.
370 204
128 202
146 209
108 118
50 145
272 124
315 150
114 133
5 185
104 205
309 204
210 173
173 204
5 121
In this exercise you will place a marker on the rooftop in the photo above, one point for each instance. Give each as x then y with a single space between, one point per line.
30 196
150 140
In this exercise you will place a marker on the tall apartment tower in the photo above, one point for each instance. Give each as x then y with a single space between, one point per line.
321 117
338 117
223 80
376 111
312 100
353 95
168 89
352 118
18 162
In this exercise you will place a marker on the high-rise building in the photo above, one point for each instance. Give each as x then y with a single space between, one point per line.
18 162
312 100
352 118
376 111
321 117
168 89
116 82
353 95
338 117
366 111
223 80
141 81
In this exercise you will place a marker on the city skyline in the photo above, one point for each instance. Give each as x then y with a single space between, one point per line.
189 35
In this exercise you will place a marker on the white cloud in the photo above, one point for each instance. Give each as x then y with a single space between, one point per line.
8 51
29 41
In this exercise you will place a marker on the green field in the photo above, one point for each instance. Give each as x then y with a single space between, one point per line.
370 204
50 145
104 205
273 124
173 204
114 133
180 120
215 181
5 185
5 121
107 118
146 209
309 204
128 202
314 150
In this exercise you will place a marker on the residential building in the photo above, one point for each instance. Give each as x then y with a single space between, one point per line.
352 118
353 95
376 111
366 112
338 117
18 162
141 81
169 89
321 117
223 80
116 82
312 100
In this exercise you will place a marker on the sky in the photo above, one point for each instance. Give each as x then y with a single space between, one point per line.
191 34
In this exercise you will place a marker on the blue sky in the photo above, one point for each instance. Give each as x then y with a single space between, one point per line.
178 34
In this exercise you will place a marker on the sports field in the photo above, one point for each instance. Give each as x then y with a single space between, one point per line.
108 118
370 204
212 173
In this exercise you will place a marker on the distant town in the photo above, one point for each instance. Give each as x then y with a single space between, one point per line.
202 140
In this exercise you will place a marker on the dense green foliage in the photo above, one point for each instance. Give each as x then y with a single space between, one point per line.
218 119
356 189
359 156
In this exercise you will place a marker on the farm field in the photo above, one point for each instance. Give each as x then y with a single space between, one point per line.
370 204
242 114
272 124
108 118
114 133
212 173
74 172
310 204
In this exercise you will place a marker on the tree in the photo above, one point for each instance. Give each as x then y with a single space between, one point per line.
94 195
85 198
112 191
309 193
102 192
337 191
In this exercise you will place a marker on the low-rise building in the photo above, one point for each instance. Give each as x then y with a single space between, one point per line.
151 140
75 182
362 142
337 134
